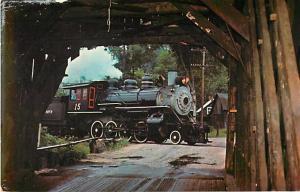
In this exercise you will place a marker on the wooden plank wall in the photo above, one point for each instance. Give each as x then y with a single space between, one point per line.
266 149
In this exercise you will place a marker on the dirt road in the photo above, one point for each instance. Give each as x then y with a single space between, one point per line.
152 167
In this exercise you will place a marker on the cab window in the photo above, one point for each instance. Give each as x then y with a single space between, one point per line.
73 95
78 94
92 97
84 94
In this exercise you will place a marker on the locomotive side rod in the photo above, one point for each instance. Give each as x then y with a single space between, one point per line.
73 143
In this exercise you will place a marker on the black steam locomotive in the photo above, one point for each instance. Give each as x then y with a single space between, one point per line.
104 110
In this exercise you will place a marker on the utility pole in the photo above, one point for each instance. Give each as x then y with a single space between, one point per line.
202 66
202 86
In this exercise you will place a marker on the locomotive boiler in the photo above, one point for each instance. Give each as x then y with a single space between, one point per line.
146 113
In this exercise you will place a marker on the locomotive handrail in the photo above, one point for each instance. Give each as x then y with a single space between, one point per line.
73 143
106 104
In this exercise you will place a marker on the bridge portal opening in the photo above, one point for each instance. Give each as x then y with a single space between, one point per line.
146 126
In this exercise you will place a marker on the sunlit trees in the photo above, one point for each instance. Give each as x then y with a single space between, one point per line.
136 60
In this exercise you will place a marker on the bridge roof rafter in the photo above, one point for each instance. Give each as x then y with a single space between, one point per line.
144 21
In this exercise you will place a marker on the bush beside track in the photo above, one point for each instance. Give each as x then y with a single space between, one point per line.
70 154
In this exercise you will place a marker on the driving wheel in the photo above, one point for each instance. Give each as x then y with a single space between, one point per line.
124 132
140 132
97 129
175 137
111 129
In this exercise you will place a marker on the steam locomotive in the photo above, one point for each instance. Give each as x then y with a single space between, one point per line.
104 110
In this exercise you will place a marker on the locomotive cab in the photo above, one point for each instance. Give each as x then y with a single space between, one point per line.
83 97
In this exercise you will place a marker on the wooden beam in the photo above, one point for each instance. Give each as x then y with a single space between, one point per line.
157 25
109 41
221 38
199 37
258 128
235 19
296 31
288 85
271 106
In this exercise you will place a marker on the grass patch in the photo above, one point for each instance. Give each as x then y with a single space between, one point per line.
213 132
63 155
113 146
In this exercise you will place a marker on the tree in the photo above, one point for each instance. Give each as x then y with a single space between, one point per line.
216 78
165 60
131 58
136 60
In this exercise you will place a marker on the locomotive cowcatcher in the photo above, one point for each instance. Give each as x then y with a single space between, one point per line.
104 110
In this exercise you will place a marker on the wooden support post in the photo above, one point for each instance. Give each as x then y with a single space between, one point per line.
25 100
288 85
258 127
270 104
241 129
229 161
253 156
248 113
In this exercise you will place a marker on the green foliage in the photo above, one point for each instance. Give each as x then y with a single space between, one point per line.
63 155
61 92
213 132
164 61
139 73
47 139
216 78
136 60
117 145
82 149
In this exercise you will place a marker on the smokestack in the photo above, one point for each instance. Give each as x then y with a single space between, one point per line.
172 74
